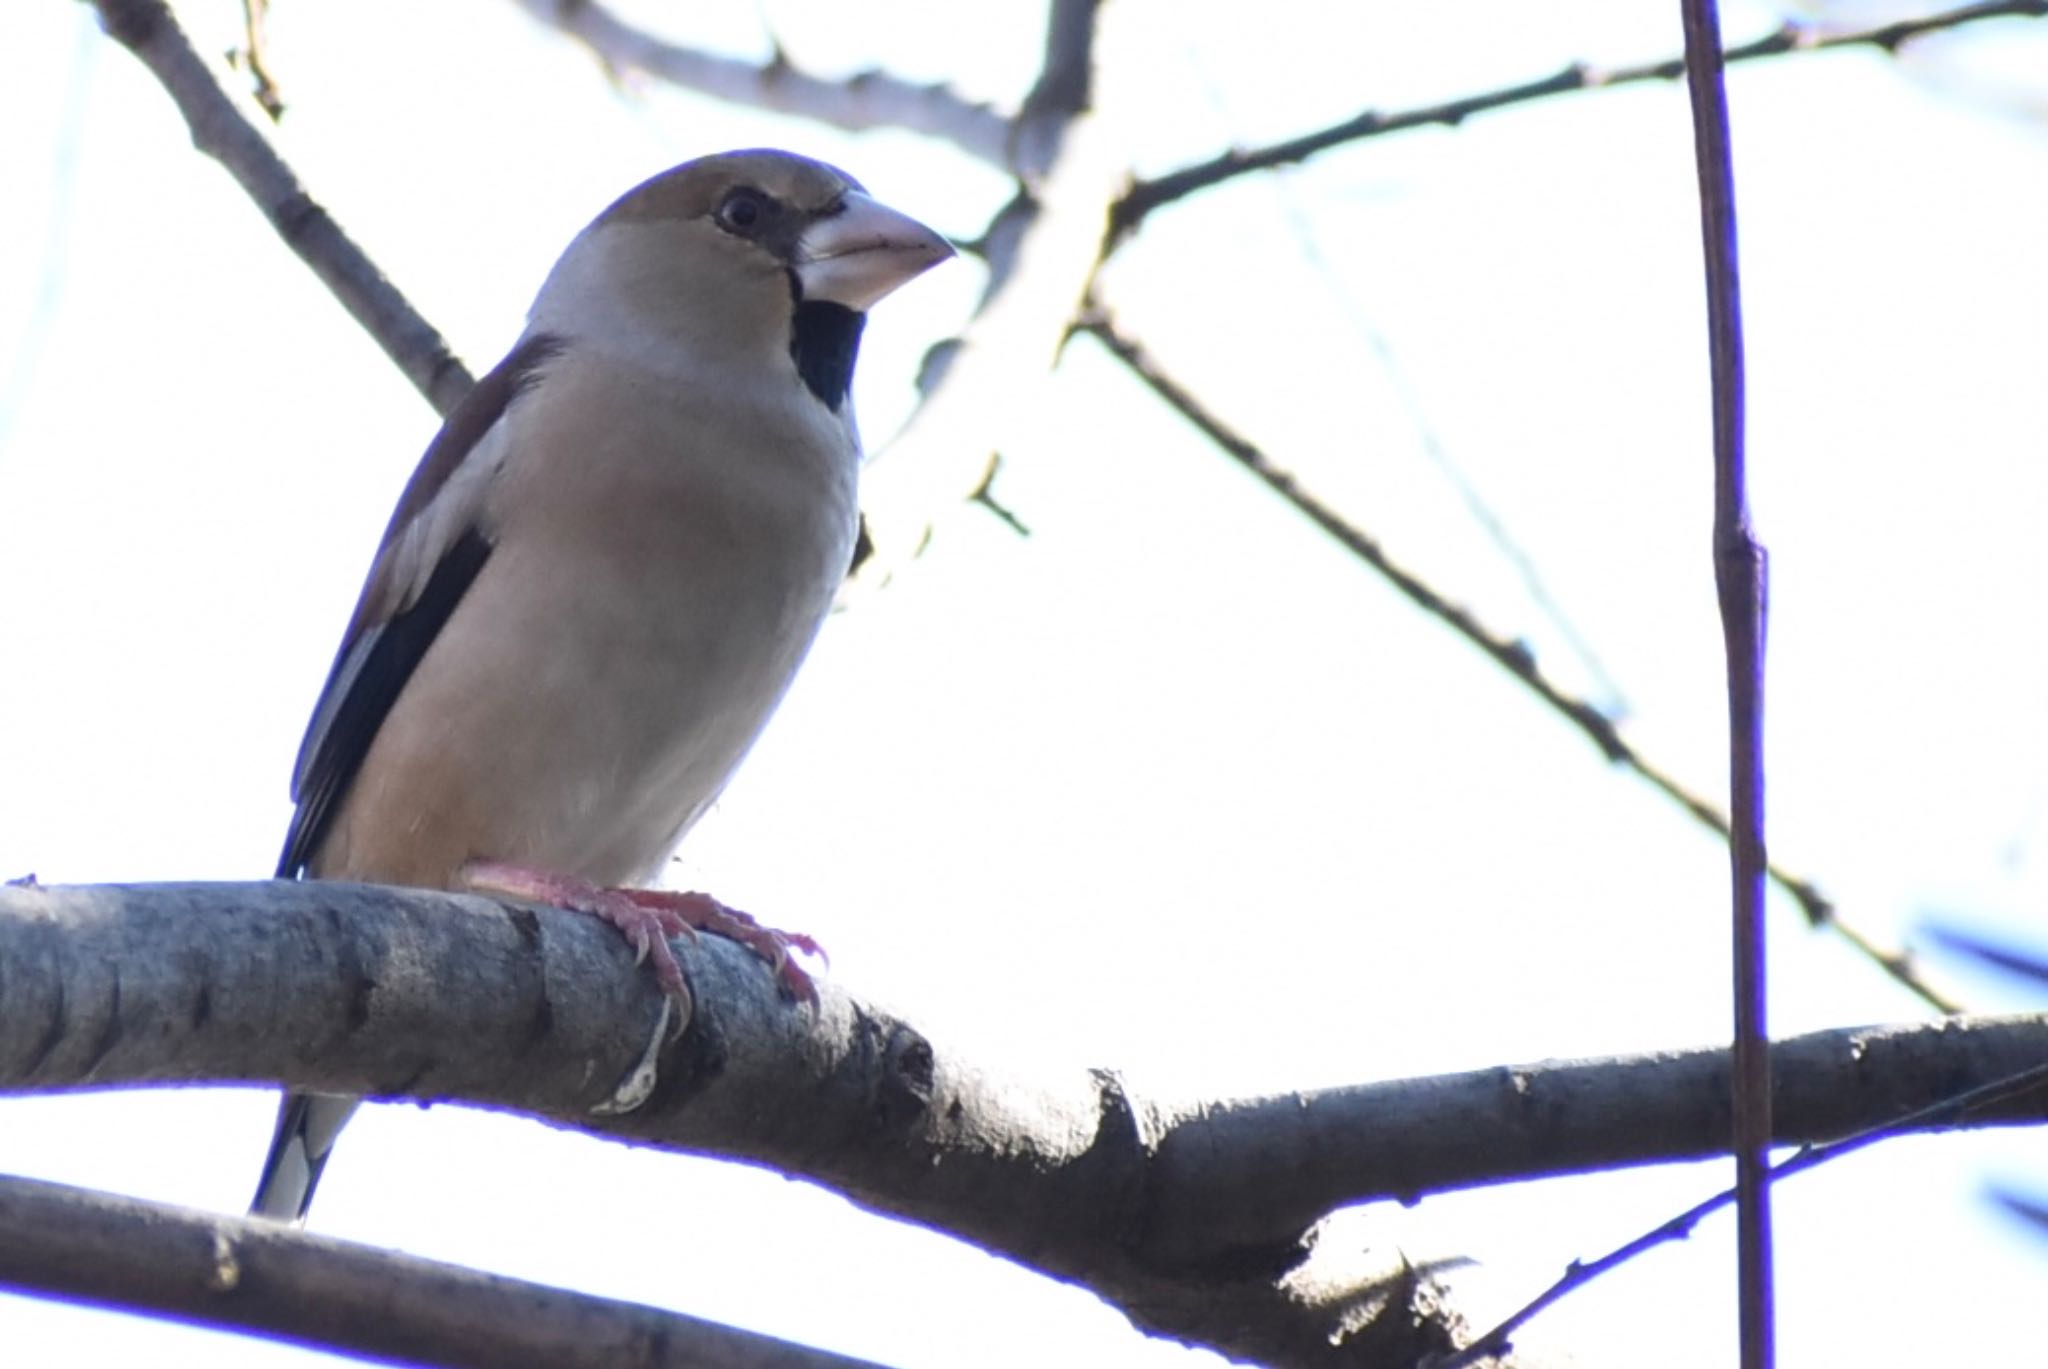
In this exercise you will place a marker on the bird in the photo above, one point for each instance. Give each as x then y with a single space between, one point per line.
605 572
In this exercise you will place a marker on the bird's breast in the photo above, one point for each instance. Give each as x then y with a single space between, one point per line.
662 560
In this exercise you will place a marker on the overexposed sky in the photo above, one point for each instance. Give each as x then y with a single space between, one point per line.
1173 785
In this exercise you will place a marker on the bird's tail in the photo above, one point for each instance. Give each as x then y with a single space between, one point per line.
307 1125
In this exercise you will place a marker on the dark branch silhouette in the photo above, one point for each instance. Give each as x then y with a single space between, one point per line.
1583 1272
1509 653
1580 77
241 1274
148 29
1741 583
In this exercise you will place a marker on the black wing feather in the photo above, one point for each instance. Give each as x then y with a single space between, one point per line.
388 656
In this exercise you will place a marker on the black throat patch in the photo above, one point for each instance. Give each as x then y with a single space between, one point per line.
824 340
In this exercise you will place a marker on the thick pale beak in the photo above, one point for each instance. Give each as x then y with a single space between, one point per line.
863 252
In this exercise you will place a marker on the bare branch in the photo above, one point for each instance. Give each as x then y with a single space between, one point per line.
1146 196
1742 584
1244 1171
867 100
255 54
395 993
1042 252
1510 654
1583 1272
273 1280
219 129
1195 1220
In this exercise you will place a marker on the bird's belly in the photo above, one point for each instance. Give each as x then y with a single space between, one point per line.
589 739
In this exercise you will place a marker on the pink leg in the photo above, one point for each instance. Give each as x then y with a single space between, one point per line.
702 913
649 917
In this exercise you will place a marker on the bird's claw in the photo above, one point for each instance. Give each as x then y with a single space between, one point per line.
692 913
647 918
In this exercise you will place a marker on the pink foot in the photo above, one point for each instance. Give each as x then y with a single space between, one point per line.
647 918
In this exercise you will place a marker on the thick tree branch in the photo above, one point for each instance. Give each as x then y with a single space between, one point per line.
1509 653
868 100
433 996
220 130
1148 195
1245 1171
1193 1219
277 1281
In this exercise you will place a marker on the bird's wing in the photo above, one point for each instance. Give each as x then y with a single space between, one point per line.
433 548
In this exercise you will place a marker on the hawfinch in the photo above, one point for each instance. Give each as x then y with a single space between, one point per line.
605 571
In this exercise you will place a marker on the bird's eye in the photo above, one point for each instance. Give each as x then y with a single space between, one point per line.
742 210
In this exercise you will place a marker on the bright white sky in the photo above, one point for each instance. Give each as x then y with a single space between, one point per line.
1171 786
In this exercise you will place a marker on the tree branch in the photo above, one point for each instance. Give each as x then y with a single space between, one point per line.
858 103
1583 1272
1146 196
219 129
255 55
1195 1220
277 1281
1243 1172
1741 582
1510 654
407 994
1042 251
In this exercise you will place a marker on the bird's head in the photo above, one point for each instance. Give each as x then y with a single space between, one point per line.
739 251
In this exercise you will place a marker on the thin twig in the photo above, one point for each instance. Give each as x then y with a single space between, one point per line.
1581 1273
865 100
1432 445
2033 1213
1742 586
255 54
219 129
1507 652
2029 967
1146 196
1042 251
